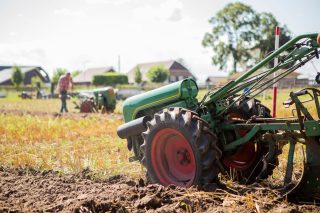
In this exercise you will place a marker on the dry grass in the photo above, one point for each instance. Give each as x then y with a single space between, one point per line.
65 144
69 144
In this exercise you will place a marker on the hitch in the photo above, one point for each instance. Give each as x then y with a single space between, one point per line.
309 185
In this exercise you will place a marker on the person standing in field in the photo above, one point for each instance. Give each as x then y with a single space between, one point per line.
65 83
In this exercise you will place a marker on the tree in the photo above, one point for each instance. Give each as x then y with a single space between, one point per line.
266 34
241 34
137 75
36 79
17 76
75 73
158 74
57 73
232 35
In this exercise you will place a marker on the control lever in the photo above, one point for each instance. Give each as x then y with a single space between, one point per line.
298 93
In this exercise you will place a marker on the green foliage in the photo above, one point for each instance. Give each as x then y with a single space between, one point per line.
57 73
241 34
137 75
17 76
35 80
158 74
110 79
266 34
75 73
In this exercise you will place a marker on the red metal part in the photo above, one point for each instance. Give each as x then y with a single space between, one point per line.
86 107
172 158
277 30
243 158
274 101
245 155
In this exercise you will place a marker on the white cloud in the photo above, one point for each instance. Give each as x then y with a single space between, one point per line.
112 2
12 33
36 56
70 12
168 10
176 15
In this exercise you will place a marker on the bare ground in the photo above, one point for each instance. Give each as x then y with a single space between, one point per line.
23 190
27 190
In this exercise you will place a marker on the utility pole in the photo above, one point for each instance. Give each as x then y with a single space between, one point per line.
119 67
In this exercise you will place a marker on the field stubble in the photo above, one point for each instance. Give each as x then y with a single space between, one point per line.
33 135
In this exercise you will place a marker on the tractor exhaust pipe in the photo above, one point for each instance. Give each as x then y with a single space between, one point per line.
134 127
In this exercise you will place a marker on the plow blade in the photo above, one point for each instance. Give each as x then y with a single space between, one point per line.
309 185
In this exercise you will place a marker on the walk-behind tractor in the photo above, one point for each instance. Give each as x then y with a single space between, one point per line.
97 100
229 132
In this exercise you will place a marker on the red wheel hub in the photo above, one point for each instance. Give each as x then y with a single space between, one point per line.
245 155
86 107
172 158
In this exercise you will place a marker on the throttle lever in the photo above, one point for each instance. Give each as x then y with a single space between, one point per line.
298 93
317 79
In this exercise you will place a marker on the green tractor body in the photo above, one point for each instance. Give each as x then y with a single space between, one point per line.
182 94
186 142
101 99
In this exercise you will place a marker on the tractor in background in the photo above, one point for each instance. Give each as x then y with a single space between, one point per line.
97 100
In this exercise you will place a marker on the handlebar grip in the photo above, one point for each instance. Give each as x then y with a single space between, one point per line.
301 92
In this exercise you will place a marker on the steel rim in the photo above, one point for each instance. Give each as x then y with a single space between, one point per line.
172 158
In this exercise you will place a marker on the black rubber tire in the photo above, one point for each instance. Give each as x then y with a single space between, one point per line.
264 164
137 141
198 135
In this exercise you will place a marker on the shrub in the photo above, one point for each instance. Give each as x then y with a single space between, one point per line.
137 75
17 76
110 79
158 74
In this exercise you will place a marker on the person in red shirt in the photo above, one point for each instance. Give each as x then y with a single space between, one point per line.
64 84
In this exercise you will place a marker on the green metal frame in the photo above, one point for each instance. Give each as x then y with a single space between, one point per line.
302 52
310 127
216 104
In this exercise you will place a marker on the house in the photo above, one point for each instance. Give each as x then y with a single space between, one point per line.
216 81
176 71
86 77
288 81
28 71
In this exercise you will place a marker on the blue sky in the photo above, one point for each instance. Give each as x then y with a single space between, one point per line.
77 34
